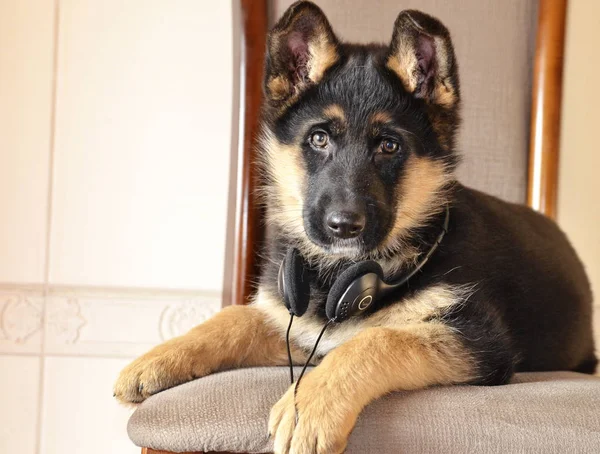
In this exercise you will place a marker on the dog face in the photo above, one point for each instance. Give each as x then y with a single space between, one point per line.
358 141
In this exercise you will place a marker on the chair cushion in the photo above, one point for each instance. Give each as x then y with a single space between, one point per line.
545 412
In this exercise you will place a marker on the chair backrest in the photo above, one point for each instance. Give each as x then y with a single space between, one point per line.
510 59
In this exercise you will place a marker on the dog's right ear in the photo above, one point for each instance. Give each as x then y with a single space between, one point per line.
300 48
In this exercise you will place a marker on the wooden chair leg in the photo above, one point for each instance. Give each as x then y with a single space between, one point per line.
153 451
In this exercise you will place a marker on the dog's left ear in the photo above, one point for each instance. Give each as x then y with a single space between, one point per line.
422 56
300 48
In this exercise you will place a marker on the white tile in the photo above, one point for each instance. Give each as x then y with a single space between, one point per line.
79 413
19 390
80 322
21 320
142 143
26 55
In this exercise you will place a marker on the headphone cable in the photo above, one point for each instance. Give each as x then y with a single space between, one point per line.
289 352
308 361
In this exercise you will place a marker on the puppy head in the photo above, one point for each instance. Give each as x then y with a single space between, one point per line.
358 141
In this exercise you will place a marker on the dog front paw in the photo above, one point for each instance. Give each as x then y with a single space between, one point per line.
165 366
323 423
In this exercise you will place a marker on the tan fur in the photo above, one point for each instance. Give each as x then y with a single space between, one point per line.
444 130
323 56
279 88
335 112
404 64
381 117
286 169
284 199
420 198
375 362
443 94
422 306
238 336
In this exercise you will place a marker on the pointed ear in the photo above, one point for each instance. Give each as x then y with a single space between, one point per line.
422 56
300 48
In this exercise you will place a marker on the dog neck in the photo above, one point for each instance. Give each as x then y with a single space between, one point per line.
418 248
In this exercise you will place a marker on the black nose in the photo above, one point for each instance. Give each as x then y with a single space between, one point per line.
345 224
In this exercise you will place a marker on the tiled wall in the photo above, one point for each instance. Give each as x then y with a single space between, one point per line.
115 142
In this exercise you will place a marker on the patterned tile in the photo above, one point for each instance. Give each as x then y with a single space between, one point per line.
81 322
21 320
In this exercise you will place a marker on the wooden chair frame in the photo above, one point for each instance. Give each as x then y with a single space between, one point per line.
242 267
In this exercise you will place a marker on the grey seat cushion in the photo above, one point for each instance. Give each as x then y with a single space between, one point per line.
546 412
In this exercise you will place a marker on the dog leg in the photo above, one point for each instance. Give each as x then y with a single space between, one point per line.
237 336
375 362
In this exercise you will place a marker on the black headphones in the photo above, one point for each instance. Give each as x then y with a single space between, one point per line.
353 292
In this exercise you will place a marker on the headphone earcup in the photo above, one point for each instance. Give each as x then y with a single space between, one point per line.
343 283
294 282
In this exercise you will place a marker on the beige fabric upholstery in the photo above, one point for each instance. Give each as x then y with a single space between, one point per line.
494 42
537 413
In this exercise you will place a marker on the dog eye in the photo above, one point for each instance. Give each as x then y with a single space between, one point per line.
389 146
319 139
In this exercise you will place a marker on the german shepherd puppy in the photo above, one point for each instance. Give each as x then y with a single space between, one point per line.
358 157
